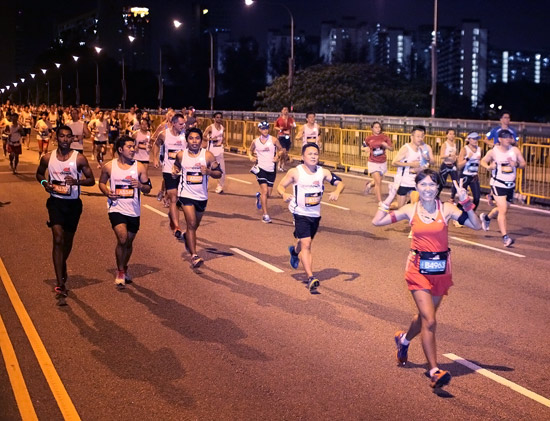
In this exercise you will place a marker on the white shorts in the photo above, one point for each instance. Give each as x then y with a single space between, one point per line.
382 168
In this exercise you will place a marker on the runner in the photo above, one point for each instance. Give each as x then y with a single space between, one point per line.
142 139
162 127
43 129
492 135
428 272
377 165
284 124
128 178
215 135
305 205
65 169
309 132
53 116
503 161
410 159
266 148
25 121
113 125
468 162
4 122
448 156
98 127
173 141
15 133
195 166
80 131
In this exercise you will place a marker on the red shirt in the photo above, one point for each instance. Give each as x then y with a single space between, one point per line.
284 125
377 151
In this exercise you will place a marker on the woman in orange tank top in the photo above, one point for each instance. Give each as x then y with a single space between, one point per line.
428 272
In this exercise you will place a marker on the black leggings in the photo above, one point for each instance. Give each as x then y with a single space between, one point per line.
472 181
444 172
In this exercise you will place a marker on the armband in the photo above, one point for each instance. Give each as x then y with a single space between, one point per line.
218 168
334 179
148 183
462 218
42 182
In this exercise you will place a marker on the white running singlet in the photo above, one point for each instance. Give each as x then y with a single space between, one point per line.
193 183
308 192
58 170
128 202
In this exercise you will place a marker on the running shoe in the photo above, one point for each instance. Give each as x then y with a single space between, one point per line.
127 276
266 219
196 261
178 233
294 259
508 241
312 283
484 221
120 282
402 350
258 201
439 379
61 292
219 189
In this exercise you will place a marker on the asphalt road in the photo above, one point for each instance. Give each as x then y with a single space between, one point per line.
237 340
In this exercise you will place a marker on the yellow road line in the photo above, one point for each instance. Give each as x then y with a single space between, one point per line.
59 392
22 397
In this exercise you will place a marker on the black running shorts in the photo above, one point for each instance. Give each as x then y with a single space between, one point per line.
64 212
305 226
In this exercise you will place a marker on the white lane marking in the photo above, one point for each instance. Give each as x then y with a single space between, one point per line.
156 210
335 206
484 372
255 259
487 247
530 209
239 180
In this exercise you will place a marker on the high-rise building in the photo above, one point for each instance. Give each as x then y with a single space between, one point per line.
347 41
508 66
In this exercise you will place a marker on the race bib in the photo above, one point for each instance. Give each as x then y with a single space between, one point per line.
313 199
193 178
378 152
432 263
124 191
506 169
61 188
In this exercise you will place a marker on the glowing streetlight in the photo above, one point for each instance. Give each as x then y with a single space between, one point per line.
77 91
58 65
97 88
132 39
36 86
177 23
249 2
14 84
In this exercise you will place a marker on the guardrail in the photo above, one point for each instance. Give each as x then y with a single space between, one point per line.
342 148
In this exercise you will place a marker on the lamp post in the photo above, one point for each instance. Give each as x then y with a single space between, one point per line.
36 85
47 84
433 91
15 86
177 25
212 73
291 58
124 91
22 82
97 88
77 89
58 65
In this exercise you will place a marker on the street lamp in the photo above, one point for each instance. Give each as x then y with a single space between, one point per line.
58 65
124 92
97 88
36 84
177 25
434 62
291 59
47 84
77 91
211 73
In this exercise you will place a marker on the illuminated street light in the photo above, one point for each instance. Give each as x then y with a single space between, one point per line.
36 86
132 39
204 11
97 88
98 50
58 65
124 88
22 80
14 84
77 91
291 59
177 23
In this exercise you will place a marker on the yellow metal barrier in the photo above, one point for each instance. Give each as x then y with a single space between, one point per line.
534 180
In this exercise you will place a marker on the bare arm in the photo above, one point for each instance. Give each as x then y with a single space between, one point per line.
290 178
83 166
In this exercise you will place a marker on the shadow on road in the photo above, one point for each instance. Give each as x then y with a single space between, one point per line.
127 358
76 282
194 325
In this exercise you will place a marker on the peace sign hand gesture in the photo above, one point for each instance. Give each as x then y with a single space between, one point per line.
461 192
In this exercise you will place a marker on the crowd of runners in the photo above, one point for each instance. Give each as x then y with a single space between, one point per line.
126 146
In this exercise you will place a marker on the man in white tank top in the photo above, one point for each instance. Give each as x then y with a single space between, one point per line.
172 140
265 151
305 204
409 162
215 136
128 179
449 155
503 161
65 169
309 132
80 131
196 165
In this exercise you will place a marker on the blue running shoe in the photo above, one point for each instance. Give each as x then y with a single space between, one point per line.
258 201
402 350
294 259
